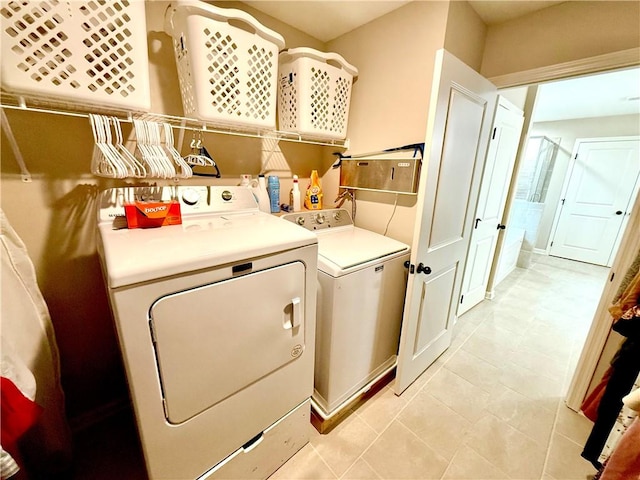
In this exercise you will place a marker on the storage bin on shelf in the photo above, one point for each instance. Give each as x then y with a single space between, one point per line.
314 93
227 64
77 52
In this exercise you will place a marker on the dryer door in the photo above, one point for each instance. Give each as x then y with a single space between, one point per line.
215 340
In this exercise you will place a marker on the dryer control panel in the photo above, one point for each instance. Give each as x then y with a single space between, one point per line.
320 219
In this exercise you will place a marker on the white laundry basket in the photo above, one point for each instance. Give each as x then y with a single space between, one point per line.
314 93
82 52
227 64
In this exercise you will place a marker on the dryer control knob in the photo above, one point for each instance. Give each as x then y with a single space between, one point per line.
336 216
320 218
190 196
300 221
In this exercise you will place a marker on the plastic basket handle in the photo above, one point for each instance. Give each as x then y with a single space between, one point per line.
222 15
321 57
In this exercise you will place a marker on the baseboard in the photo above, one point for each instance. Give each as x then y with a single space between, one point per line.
540 251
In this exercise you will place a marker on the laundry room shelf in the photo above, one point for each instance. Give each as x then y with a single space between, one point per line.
19 103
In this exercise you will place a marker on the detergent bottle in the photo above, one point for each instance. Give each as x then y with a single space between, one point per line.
313 198
260 192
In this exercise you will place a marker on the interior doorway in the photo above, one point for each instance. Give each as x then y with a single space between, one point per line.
598 331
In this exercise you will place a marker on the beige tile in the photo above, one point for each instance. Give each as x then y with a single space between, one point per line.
508 449
565 462
306 464
531 417
399 454
469 465
379 410
502 328
531 383
434 423
551 366
360 470
492 351
413 389
475 370
344 444
458 394
573 425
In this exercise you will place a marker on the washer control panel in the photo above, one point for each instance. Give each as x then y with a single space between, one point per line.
194 200
320 219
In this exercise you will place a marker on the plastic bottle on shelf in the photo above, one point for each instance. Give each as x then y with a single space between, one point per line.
273 187
260 192
294 201
313 198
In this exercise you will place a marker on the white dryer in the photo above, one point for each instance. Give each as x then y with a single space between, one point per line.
361 288
216 321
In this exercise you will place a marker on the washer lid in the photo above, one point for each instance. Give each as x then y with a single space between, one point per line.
353 246
139 255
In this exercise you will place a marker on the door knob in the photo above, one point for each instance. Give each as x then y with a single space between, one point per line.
619 212
423 269
501 226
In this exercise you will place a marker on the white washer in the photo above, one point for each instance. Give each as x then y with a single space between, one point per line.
361 288
216 322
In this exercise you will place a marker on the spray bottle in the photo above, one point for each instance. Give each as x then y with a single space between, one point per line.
294 200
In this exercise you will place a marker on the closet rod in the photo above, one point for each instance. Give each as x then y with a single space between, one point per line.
190 125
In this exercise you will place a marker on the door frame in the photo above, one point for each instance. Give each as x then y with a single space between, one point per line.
567 180
629 245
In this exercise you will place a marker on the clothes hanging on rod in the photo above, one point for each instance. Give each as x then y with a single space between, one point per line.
624 461
625 368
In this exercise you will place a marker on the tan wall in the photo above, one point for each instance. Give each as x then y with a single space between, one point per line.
561 33
395 56
55 214
465 34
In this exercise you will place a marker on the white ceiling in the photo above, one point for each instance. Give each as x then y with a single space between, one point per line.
593 96
615 93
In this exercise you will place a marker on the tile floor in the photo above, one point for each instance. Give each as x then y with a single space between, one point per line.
491 407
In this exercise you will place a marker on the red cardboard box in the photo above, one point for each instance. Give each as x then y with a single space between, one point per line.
153 214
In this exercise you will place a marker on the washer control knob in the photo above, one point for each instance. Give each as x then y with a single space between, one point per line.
300 221
190 196
320 218
336 216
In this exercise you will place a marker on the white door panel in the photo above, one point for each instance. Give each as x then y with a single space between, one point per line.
498 170
601 185
461 110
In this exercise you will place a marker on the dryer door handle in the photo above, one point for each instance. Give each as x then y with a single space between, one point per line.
296 314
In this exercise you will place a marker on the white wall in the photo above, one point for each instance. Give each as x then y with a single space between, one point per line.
568 131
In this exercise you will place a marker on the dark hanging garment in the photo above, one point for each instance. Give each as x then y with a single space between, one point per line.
625 368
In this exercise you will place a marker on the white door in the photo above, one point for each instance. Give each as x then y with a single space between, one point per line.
460 116
498 169
597 198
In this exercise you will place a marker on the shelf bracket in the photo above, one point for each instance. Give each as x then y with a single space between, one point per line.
24 172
